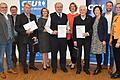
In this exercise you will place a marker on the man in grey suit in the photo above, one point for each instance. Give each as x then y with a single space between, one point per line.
6 39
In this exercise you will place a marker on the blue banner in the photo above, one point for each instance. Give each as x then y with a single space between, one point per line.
91 4
36 6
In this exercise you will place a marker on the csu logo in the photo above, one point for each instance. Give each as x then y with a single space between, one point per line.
36 3
91 6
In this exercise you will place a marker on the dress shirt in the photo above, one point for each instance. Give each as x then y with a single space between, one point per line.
108 16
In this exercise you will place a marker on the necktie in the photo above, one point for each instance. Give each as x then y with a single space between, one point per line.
60 15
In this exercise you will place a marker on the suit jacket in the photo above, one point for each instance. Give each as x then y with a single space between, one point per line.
14 22
4 28
88 25
102 28
20 21
113 14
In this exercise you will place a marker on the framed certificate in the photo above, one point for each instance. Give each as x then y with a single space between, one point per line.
31 25
80 29
62 31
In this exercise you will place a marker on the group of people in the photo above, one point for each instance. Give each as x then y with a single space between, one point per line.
101 36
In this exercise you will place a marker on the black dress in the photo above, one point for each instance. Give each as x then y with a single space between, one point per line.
43 37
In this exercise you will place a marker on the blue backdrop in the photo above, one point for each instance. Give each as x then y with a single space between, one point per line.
91 4
37 5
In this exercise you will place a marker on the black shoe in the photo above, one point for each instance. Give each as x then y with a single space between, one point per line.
115 75
33 68
87 71
78 71
25 70
54 71
97 71
64 70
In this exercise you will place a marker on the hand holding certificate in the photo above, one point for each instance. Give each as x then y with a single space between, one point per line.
80 29
62 31
31 25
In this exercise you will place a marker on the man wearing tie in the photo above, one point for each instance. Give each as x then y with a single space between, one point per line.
14 15
57 44
25 37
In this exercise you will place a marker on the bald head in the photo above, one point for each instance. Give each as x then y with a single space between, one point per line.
83 10
58 7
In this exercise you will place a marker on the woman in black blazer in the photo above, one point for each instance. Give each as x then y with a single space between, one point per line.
98 45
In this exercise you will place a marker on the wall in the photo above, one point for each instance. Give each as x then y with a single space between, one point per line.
50 7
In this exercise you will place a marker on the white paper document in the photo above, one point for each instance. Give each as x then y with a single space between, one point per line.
31 25
80 29
62 31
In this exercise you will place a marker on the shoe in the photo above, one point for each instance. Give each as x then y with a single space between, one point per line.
72 66
25 71
48 66
44 67
14 64
33 68
2 75
97 71
115 75
69 65
110 70
78 71
54 71
87 71
12 71
104 67
64 70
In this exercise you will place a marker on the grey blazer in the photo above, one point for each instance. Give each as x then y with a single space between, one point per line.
4 29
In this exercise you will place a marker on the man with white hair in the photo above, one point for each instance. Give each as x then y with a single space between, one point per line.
57 44
83 20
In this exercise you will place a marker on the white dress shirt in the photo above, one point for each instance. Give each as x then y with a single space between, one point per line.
108 16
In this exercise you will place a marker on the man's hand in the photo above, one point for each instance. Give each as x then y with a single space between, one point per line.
85 34
28 31
75 43
55 32
35 39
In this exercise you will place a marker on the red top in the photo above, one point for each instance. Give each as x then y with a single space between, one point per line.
71 17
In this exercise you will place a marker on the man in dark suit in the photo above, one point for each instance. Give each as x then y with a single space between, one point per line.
14 15
109 14
6 39
57 44
86 21
25 37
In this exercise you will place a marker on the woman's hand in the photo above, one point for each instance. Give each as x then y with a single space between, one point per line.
117 45
104 43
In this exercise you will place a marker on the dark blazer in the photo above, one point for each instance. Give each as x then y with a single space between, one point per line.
102 28
4 28
20 21
88 25
113 14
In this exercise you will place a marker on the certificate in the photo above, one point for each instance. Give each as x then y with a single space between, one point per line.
80 29
62 31
31 25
